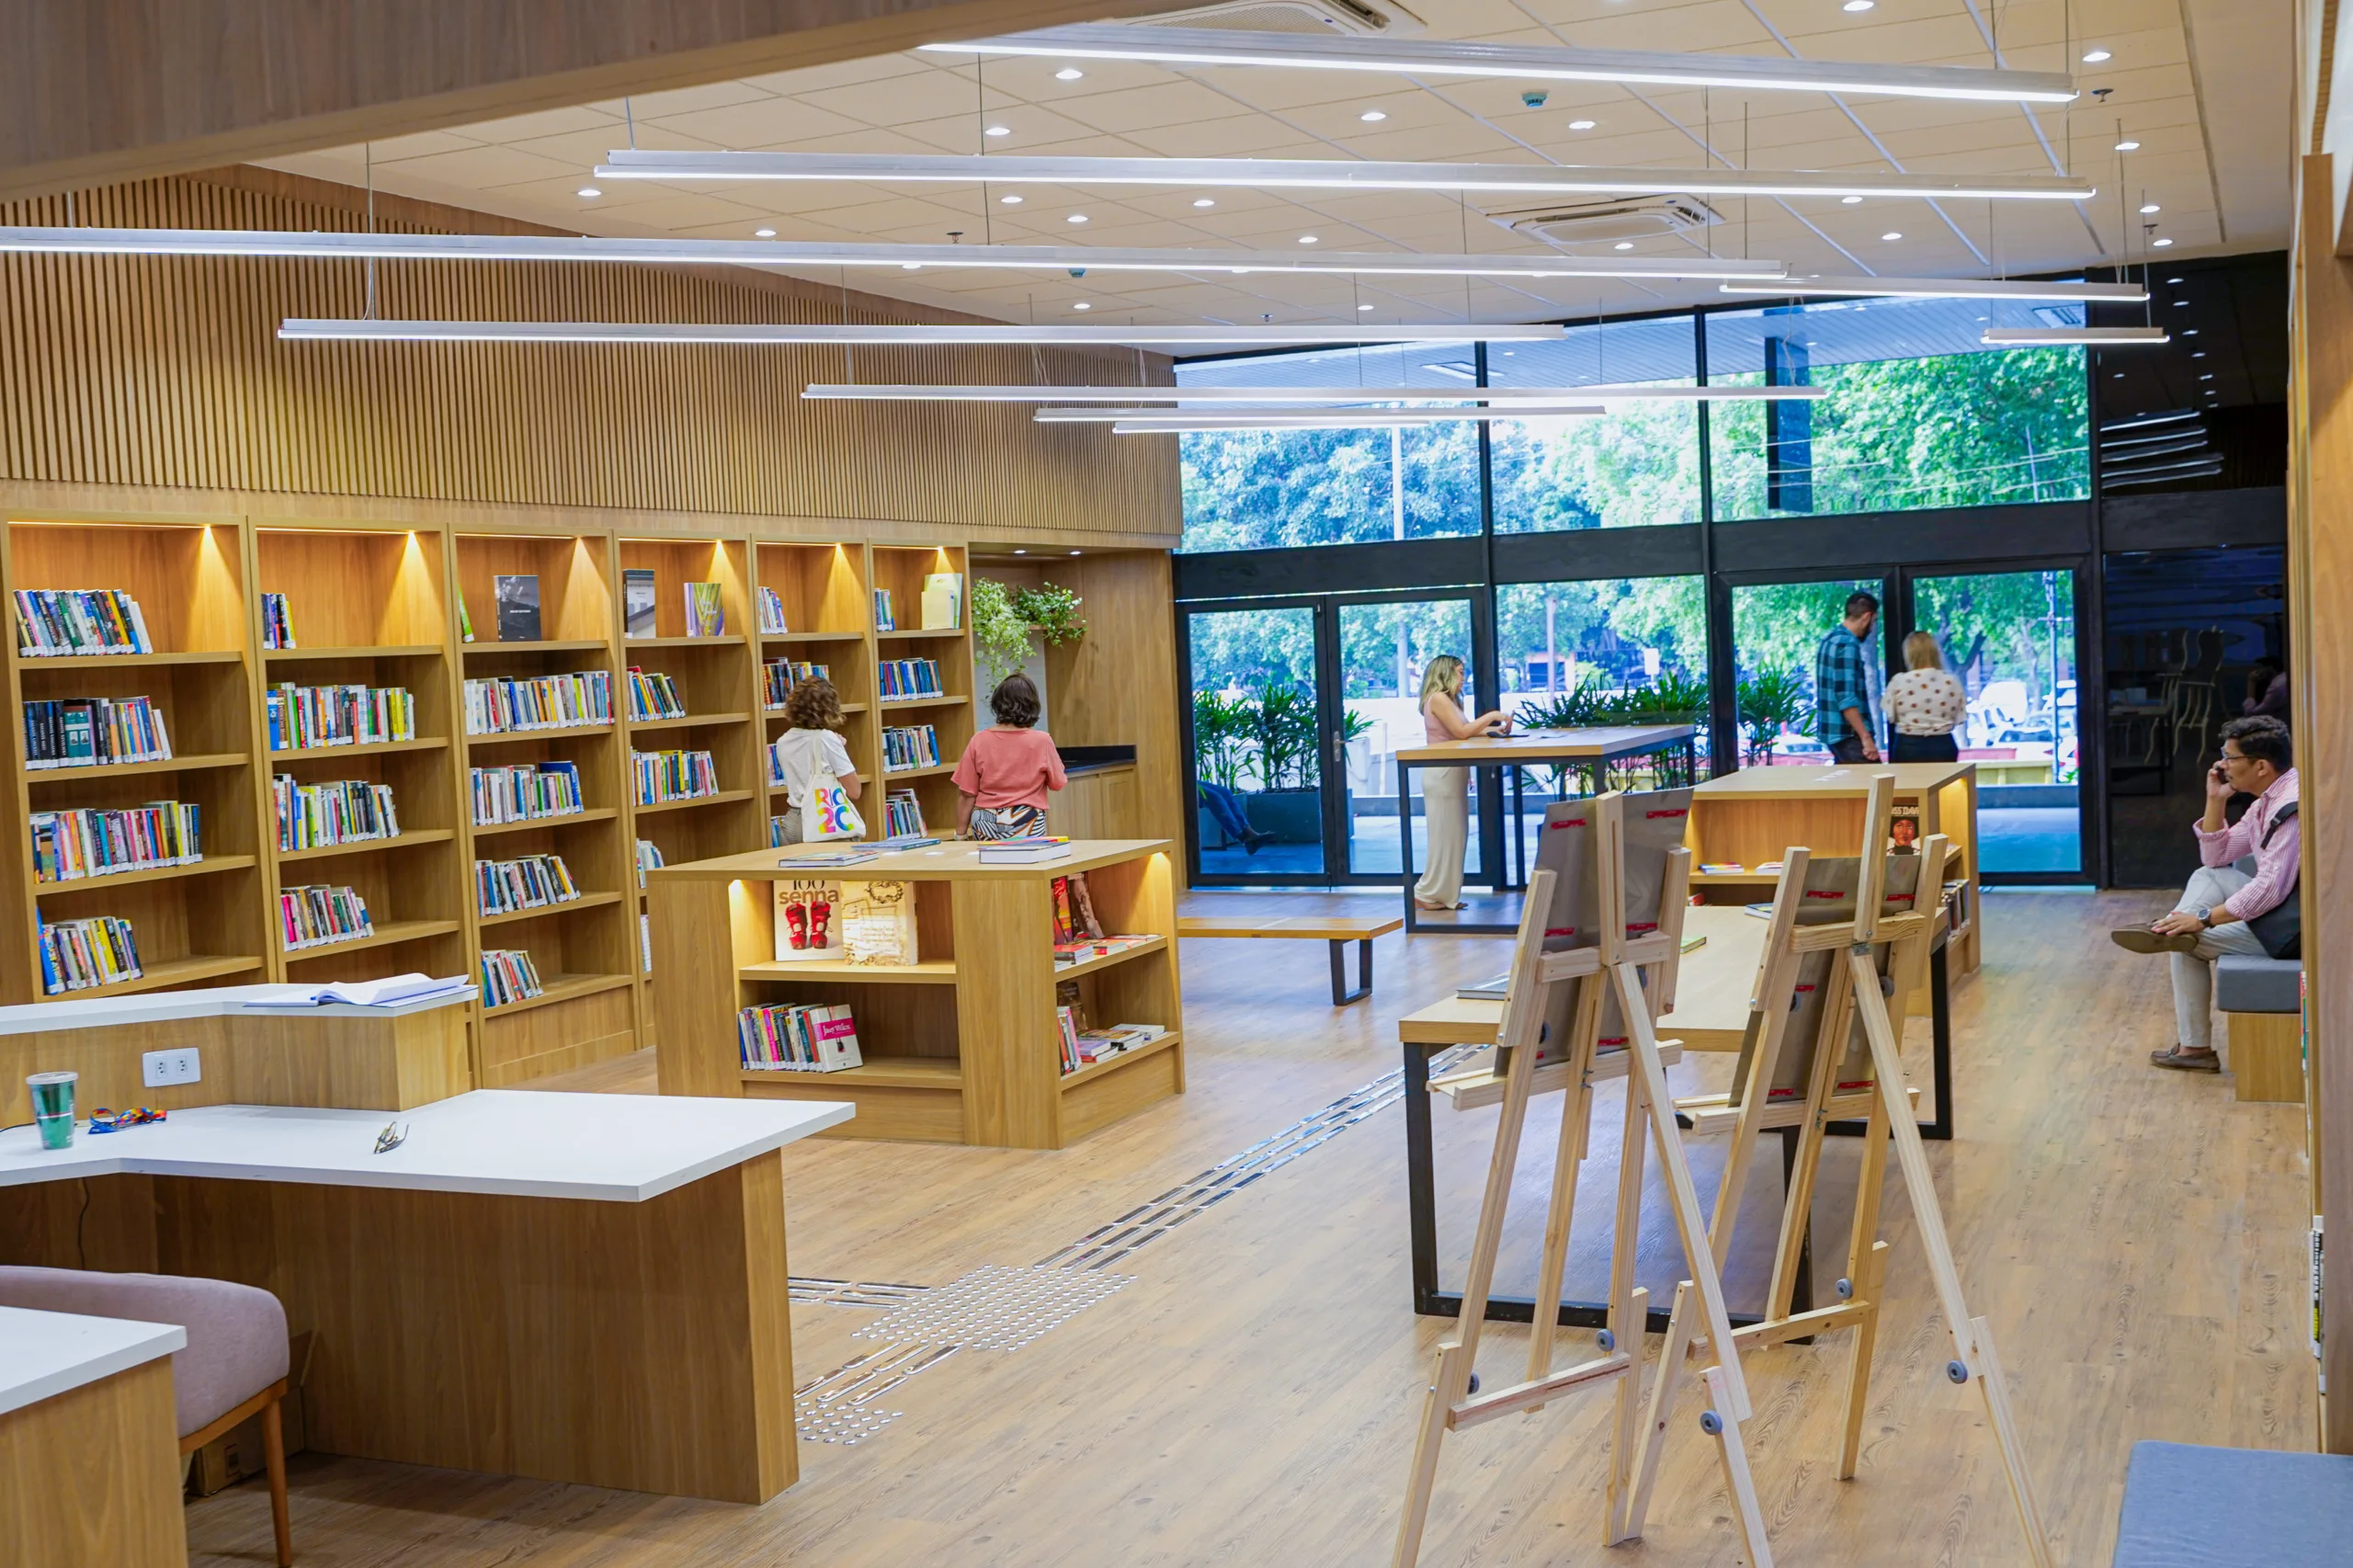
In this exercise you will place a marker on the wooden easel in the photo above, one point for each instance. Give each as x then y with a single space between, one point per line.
1882 956
1613 967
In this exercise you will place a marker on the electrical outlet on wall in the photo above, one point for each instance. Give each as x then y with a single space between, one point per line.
160 1069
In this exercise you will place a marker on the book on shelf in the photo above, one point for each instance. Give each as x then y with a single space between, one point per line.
1721 868
69 846
653 696
772 614
501 704
94 732
943 601
277 622
344 810
645 943
649 859
508 976
465 622
1010 852
1084 948
665 776
81 955
705 614
318 915
525 792
902 814
908 747
783 674
529 882
902 678
637 602
1114 1039
1066 1037
814 1039
304 716
883 619
58 623
392 992
519 607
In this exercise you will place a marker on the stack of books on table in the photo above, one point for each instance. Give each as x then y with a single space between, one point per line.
909 678
276 624
495 706
1088 948
507 975
392 992
320 916
664 776
1113 1039
908 747
785 674
1030 851
69 846
59 623
798 1038
525 792
303 716
94 732
653 696
311 816
77 955
772 614
532 881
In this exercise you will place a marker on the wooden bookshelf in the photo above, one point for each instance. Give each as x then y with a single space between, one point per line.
829 621
197 924
586 951
717 677
959 1046
901 569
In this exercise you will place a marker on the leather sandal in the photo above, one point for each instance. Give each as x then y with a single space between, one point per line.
2186 1061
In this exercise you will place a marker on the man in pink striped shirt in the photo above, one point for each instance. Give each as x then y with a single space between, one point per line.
2211 918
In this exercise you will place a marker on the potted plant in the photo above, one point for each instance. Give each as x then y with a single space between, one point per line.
1006 621
1282 738
1770 703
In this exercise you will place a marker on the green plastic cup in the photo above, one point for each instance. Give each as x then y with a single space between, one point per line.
53 1107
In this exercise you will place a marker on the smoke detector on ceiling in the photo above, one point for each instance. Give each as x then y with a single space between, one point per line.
1609 218
1383 18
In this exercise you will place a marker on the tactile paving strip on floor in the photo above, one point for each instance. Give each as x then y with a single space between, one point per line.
839 1408
847 1293
995 1307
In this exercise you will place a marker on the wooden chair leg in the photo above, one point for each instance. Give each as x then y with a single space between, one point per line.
273 1447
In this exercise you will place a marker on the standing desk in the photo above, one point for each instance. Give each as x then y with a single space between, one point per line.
89 1446
1591 749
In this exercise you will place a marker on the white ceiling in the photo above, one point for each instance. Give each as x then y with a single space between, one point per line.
2202 85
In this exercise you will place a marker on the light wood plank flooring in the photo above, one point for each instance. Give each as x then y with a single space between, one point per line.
2135 1236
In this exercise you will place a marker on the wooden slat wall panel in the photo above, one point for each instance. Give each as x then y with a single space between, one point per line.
167 372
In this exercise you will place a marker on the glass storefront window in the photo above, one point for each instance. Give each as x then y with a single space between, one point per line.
1776 629
1635 466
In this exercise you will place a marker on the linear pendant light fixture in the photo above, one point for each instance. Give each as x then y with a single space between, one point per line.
2074 336
363 330
1944 288
352 246
1324 173
1153 420
884 393
1203 46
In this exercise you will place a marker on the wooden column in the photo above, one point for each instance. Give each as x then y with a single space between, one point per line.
695 958
1005 995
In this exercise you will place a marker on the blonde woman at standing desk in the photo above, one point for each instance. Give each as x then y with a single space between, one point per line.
1446 791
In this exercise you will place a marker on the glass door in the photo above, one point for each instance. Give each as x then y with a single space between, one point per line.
1256 738
1383 649
1777 631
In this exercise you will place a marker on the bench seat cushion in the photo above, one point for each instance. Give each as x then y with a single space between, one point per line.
2198 1507
236 1335
2246 983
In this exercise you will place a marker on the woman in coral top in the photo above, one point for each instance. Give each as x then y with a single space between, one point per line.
1004 776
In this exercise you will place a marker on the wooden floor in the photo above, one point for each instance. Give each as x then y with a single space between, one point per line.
2137 1238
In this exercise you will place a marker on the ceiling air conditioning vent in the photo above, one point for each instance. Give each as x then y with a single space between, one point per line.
1363 18
1610 218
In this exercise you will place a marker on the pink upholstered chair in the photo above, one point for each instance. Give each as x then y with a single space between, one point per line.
233 1365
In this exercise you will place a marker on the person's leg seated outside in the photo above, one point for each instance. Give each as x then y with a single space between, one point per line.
1225 807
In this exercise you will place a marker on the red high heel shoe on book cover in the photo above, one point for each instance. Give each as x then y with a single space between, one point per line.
796 922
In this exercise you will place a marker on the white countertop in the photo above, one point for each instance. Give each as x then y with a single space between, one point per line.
44 1355
513 1143
164 1007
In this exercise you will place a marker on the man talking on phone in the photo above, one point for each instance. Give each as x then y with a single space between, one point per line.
2216 909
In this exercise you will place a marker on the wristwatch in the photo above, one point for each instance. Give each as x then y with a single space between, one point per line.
2205 914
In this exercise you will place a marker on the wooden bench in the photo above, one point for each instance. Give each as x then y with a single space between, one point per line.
1337 929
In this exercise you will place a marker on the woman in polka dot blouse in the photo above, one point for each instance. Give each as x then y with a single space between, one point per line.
1925 704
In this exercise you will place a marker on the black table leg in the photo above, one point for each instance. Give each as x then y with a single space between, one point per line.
1405 851
1341 995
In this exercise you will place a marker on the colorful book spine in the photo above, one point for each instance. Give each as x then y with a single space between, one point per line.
507 975
903 815
567 701
277 622
883 620
94 732
79 955
908 748
653 696
347 811
664 776
798 1038
60 623
905 679
532 881
705 618
69 846
772 614
304 716
320 916
649 857
785 674
525 792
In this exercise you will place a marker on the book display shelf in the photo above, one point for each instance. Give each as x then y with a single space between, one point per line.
196 923
828 617
717 676
368 608
960 1046
586 952
901 570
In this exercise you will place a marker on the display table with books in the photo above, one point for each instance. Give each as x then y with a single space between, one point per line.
1017 995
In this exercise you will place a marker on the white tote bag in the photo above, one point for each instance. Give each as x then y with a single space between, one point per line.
826 810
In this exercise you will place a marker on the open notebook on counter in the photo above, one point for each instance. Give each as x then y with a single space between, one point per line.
392 992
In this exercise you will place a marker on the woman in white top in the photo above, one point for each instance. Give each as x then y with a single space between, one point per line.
1924 705
812 745
1446 791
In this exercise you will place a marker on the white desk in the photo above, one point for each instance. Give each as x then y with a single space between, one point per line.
89 1446
44 1355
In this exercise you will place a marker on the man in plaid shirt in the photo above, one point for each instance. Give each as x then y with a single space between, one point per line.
1842 693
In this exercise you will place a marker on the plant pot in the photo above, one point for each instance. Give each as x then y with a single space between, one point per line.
1287 816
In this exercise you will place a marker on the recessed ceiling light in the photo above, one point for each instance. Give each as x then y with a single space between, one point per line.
1020 552
1078 552
2128 146
2190 331
2093 57
2160 244
764 233
1850 201
1000 130
2148 206
911 266
2198 353
2115 375
1364 307
1082 305
1307 239
1076 218
1203 201
1580 125
2206 375
1069 73
1858 4
2181 305
2173 281
1372 114
590 191
1009 201
1625 245
1893 235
